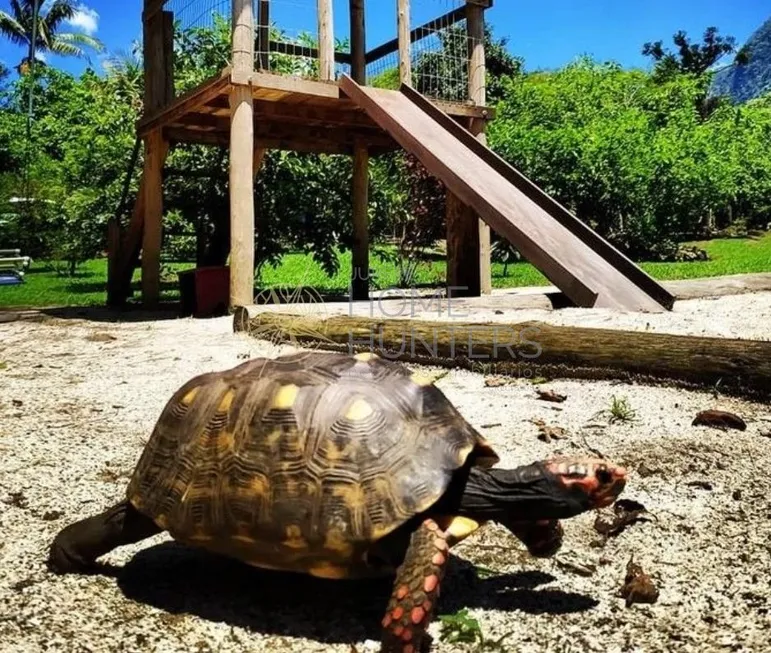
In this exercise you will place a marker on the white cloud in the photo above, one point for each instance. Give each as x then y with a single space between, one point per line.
86 19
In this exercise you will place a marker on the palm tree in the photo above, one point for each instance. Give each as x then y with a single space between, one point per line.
18 28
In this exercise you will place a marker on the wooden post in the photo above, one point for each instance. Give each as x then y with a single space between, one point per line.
358 43
403 24
158 35
242 159
360 254
155 151
326 41
468 237
263 35
475 26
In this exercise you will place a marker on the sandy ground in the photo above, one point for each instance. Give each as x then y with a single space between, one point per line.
79 399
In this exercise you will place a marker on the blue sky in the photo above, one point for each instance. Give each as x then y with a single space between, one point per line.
548 33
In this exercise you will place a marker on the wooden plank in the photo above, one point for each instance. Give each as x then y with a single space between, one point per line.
186 103
360 252
358 42
458 110
294 85
151 236
583 274
741 366
420 32
404 41
272 141
534 194
241 197
263 35
326 40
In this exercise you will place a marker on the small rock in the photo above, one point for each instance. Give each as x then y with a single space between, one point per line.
638 586
625 513
548 433
704 485
100 337
737 495
719 419
644 470
17 402
52 515
571 562
496 381
550 395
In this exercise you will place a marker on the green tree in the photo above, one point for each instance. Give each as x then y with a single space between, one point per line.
693 58
18 27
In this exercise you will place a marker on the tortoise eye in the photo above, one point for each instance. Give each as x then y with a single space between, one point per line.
604 476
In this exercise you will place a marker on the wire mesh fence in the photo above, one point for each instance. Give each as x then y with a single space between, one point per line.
439 52
286 42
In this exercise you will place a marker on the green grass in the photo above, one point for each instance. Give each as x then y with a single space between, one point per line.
44 287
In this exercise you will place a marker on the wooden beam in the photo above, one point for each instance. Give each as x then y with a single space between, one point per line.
243 37
740 366
421 32
241 197
326 41
360 274
152 7
242 159
186 103
151 236
154 54
358 42
404 39
263 35
463 269
328 89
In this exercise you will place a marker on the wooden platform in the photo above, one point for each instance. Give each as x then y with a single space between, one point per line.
290 113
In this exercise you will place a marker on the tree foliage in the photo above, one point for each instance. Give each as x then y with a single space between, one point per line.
19 25
631 156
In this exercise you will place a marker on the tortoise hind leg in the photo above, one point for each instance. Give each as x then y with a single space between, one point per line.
76 547
416 590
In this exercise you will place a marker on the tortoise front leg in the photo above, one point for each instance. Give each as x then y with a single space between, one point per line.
416 590
76 548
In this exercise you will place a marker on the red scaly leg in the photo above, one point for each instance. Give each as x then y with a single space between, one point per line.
416 590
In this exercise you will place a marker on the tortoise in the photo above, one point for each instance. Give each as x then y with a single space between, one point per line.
339 466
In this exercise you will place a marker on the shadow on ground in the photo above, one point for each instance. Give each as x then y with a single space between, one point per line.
179 579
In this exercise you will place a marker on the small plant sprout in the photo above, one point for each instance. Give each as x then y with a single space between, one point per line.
621 410
461 627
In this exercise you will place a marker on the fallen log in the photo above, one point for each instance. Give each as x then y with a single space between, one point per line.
529 348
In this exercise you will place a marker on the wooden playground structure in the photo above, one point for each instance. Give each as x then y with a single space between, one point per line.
250 109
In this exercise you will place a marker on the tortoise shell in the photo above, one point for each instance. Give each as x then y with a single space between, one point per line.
302 462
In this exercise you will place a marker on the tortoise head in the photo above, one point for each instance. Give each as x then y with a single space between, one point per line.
559 488
598 480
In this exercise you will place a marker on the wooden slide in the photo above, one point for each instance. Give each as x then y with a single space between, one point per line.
588 269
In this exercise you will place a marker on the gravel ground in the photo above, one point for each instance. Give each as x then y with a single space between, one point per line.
79 399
